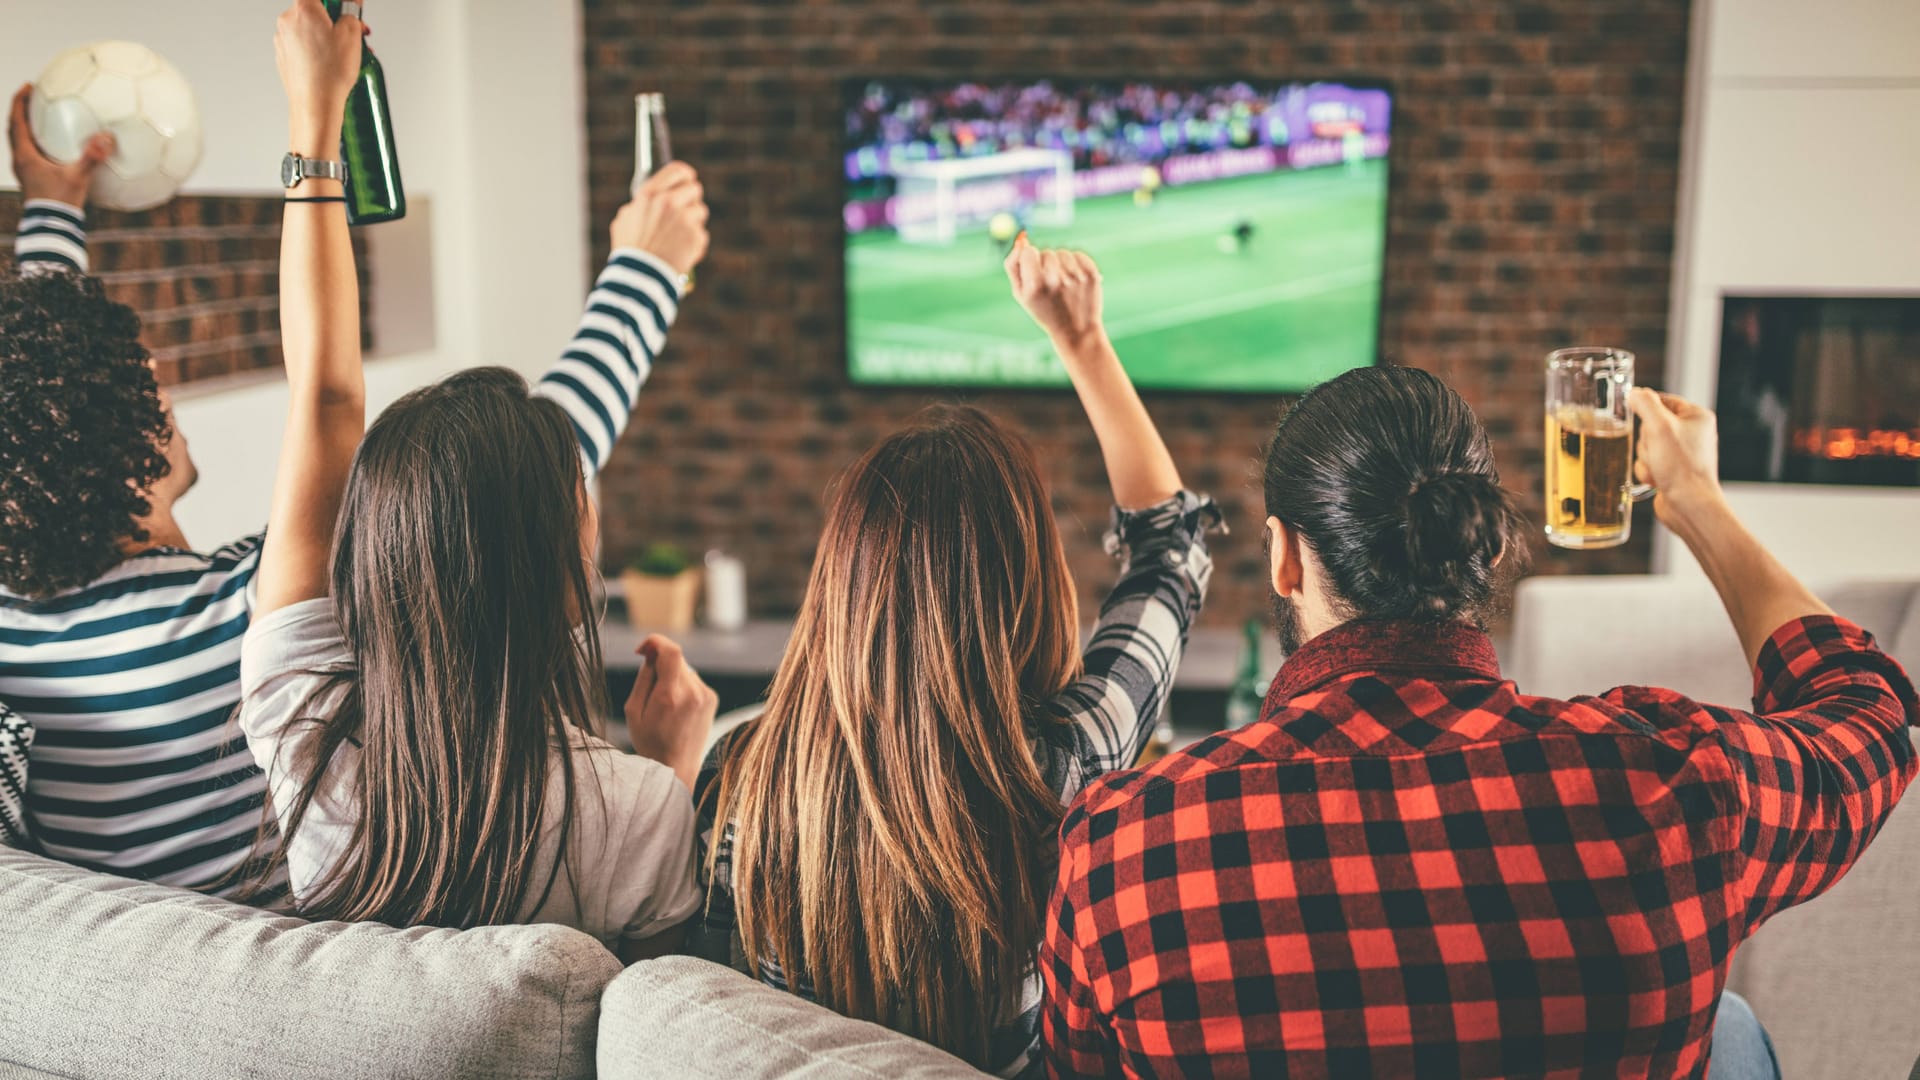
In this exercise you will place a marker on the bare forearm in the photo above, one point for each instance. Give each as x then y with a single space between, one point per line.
1139 468
1759 593
326 403
319 288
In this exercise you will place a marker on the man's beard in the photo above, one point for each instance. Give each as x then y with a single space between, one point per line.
1286 621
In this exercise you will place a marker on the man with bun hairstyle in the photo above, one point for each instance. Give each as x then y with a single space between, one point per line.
1410 867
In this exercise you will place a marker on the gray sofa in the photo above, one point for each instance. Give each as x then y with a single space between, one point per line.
682 1017
102 977
106 978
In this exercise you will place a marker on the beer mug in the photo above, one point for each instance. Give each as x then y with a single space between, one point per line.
1590 488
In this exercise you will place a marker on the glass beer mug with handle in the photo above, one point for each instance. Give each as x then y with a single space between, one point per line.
1590 488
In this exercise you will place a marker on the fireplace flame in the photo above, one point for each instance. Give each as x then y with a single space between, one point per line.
1846 443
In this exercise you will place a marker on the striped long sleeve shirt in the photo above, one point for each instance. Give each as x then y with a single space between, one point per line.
131 680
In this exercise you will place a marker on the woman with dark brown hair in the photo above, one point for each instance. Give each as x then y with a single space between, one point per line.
889 820
420 682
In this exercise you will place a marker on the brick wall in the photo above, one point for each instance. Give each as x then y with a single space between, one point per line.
1535 163
203 272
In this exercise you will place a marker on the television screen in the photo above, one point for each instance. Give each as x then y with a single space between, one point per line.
1240 227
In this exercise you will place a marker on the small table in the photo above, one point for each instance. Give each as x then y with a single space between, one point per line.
740 664
751 652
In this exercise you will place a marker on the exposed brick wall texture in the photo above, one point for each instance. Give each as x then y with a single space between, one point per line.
203 272
1535 162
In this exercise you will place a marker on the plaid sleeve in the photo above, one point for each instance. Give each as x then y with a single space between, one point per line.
712 930
52 236
1108 714
1822 764
597 379
16 739
1076 1039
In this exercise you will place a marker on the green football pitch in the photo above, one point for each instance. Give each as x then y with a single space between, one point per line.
1296 305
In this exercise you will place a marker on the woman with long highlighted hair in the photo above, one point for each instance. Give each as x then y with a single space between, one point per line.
881 838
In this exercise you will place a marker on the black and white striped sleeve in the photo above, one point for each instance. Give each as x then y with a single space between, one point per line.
598 377
53 236
1110 711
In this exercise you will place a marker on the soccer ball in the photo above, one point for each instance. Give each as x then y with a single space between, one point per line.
132 93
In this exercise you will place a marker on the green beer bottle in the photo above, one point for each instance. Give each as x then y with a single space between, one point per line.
374 191
1246 695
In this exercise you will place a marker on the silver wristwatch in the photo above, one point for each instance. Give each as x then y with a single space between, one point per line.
294 168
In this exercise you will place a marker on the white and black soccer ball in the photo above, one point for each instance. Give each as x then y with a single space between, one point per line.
134 94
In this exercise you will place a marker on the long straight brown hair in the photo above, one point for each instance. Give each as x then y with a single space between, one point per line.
894 835
459 581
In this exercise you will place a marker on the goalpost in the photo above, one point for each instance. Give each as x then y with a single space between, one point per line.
936 198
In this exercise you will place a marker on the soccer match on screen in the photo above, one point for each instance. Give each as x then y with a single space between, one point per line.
1240 227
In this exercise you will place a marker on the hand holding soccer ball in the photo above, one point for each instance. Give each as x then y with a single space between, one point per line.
112 121
40 176
1060 289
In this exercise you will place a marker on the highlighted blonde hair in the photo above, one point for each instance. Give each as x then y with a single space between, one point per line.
893 833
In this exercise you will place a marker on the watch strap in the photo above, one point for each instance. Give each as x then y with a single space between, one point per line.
321 169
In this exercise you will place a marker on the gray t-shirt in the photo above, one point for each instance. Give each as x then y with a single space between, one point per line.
630 871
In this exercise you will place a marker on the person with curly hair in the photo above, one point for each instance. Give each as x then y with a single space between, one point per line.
94 464
119 639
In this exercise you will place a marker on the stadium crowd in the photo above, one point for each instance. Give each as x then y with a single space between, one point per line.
1099 125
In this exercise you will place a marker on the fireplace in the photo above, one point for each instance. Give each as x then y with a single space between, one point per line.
1820 390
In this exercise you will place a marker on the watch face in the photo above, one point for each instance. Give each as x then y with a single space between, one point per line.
289 170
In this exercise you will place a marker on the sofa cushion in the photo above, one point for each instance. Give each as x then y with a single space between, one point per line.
683 1017
106 977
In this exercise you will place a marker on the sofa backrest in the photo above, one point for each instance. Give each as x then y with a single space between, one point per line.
105 977
684 1017
1587 634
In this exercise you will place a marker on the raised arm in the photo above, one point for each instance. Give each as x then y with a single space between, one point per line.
1679 453
657 239
319 316
1159 532
53 223
1061 290
1828 749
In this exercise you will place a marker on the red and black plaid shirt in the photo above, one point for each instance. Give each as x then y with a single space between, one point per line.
1408 867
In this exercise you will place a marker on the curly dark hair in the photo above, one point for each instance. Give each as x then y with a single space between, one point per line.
82 431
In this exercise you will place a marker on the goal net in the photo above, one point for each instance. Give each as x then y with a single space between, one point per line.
936 199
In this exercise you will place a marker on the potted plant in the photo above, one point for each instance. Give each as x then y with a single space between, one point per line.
662 585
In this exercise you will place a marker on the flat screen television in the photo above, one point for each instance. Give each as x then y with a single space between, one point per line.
1240 226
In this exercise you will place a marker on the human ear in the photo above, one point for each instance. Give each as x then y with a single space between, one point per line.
1284 566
